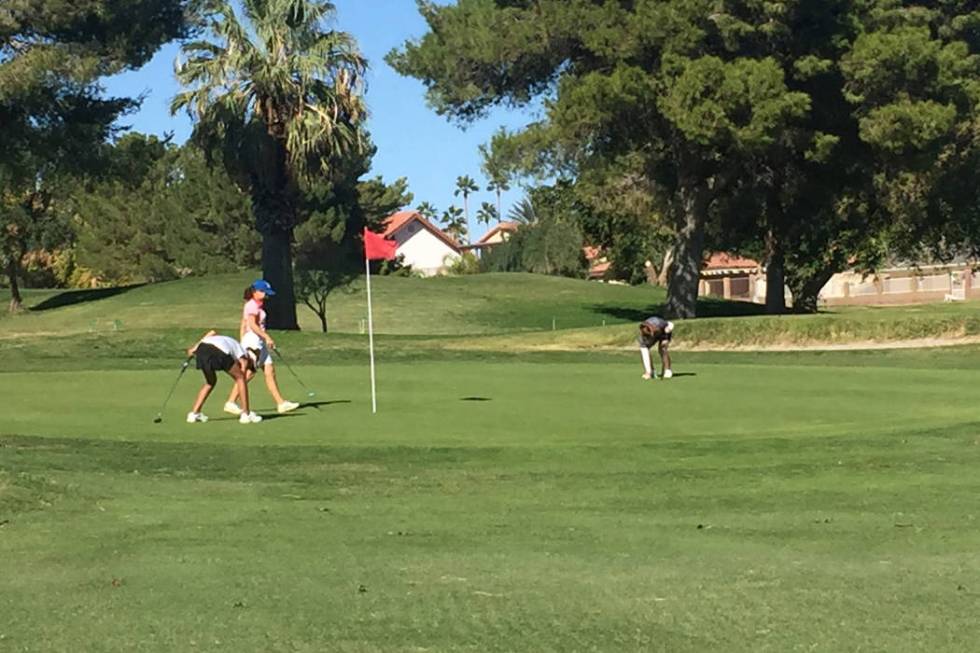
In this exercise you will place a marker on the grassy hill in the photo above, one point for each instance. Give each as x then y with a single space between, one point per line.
858 325
489 313
490 303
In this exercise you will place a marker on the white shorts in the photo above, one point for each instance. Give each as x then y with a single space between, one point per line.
252 341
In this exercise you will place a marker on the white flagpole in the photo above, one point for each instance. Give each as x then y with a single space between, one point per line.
374 395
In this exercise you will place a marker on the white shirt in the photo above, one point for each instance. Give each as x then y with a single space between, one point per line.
228 345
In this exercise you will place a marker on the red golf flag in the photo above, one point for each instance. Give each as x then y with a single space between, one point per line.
377 247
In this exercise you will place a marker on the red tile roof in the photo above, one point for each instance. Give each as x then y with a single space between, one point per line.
396 221
502 226
726 261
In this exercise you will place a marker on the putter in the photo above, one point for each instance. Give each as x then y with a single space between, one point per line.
309 393
183 368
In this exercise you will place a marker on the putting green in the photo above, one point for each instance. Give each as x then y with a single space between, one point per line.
491 404
747 504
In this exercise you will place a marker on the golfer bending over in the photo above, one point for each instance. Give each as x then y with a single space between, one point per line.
254 336
655 331
215 353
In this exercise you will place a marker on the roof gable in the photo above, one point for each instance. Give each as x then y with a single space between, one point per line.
501 227
398 221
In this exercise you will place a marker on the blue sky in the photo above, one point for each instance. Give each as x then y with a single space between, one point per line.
412 140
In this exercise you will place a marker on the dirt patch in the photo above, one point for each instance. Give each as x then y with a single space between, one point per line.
915 343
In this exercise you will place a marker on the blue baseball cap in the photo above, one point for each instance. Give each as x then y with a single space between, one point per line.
264 286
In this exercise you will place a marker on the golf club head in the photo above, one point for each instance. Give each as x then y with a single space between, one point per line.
157 419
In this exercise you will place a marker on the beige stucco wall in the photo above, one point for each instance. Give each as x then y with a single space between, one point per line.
498 237
901 286
894 286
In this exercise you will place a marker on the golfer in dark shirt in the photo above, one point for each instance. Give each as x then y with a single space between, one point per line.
655 331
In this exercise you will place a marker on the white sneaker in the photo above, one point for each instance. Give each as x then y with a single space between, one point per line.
249 418
196 417
287 406
668 374
233 408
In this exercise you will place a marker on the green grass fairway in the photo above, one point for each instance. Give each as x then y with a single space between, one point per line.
521 489
491 312
498 503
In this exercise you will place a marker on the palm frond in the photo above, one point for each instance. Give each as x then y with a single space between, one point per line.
279 66
523 212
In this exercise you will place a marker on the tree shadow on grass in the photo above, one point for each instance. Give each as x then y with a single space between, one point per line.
268 417
317 404
728 308
707 307
70 297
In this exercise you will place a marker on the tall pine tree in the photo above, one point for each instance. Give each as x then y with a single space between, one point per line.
54 116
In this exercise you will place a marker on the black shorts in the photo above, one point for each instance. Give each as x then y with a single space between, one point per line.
212 359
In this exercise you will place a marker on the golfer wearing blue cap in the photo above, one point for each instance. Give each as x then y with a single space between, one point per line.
254 336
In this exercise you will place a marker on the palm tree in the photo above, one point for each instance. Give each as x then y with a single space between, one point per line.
523 212
464 186
487 213
499 184
454 222
278 97
427 210
495 168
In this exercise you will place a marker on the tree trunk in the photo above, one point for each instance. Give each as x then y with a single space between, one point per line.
274 202
277 269
664 277
322 313
775 275
685 274
806 290
16 301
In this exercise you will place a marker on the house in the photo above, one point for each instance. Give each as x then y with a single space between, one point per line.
904 284
733 277
730 276
723 275
424 246
499 234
